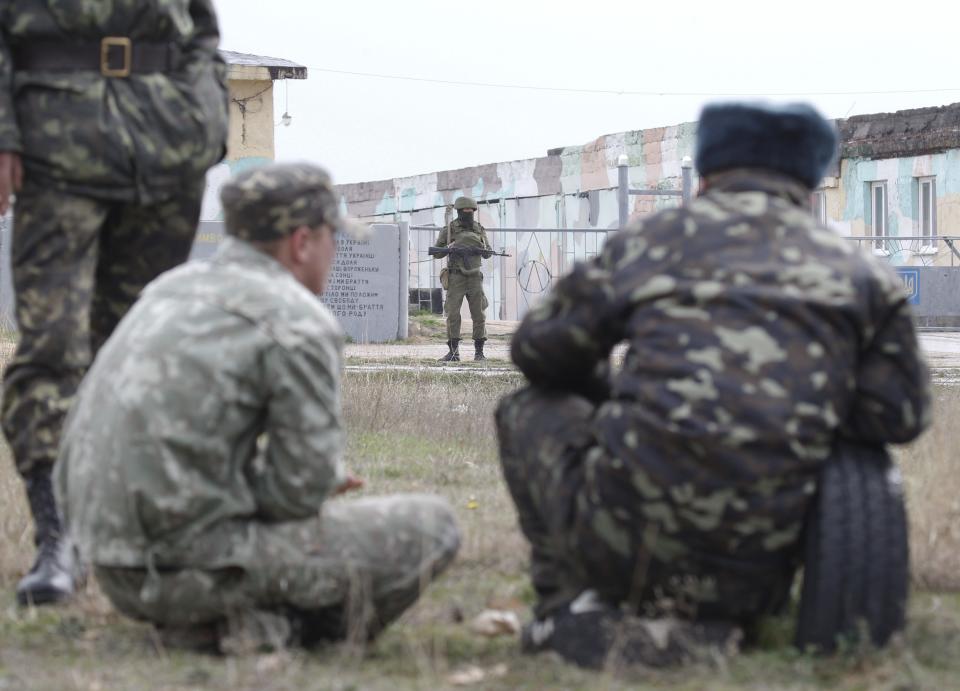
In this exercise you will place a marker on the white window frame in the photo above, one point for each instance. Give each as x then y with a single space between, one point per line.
878 226
929 233
818 203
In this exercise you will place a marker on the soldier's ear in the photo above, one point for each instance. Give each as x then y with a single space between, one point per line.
300 244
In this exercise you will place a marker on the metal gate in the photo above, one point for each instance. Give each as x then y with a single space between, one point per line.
538 255
512 284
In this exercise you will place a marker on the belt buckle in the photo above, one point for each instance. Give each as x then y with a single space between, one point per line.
106 45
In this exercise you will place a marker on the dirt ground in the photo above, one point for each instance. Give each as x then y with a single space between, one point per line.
427 343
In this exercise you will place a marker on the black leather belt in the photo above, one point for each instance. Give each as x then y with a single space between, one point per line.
112 56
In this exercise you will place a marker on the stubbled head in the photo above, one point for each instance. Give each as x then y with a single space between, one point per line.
792 139
289 211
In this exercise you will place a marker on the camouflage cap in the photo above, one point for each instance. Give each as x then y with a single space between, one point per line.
464 203
270 202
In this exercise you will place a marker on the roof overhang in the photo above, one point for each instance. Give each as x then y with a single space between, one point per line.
244 66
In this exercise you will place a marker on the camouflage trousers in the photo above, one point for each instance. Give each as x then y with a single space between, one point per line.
470 287
344 575
579 538
78 264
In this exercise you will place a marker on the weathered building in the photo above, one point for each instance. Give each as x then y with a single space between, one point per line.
251 80
897 176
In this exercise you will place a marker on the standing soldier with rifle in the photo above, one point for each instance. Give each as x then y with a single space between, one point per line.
466 242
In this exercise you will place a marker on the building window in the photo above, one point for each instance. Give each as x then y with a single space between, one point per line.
927 211
818 204
878 215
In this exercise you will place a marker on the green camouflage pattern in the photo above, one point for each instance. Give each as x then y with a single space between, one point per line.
78 263
554 470
464 203
755 338
204 442
460 286
346 574
144 137
270 202
225 372
114 176
465 280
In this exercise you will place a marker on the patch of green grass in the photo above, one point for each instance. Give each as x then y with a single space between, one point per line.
427 317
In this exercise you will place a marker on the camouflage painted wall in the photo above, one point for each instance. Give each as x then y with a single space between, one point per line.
573 187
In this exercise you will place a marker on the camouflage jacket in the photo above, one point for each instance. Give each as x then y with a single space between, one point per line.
136 138
456 234
754 338
215 402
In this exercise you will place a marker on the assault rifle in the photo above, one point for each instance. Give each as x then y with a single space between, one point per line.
440 252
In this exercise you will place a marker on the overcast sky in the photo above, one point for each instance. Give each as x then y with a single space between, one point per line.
367 128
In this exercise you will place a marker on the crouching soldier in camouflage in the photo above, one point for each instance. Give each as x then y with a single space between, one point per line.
206 439
464 279
679 484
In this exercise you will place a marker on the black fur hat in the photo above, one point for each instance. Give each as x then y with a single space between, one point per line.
793 139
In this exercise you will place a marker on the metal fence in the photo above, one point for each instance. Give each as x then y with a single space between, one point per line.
912 250
539 256
512 284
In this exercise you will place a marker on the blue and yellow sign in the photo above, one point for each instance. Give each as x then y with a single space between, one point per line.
911 284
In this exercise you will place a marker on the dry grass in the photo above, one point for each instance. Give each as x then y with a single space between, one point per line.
931 472
433 432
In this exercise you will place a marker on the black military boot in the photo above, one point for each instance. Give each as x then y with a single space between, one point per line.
478 349
588 632
56 574
454 354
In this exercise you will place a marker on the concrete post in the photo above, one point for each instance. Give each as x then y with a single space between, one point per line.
623 189
686 169
403 328
7 320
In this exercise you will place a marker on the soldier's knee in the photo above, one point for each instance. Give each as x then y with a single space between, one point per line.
440 530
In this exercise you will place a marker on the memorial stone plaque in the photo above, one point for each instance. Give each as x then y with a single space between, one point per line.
365 289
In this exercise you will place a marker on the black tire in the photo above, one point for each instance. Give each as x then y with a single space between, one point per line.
856 556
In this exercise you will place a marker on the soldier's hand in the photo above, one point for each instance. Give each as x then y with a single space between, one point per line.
351 483
11 178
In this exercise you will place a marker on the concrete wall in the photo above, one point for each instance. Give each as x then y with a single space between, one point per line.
251 137
251 119
934 294
572 187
